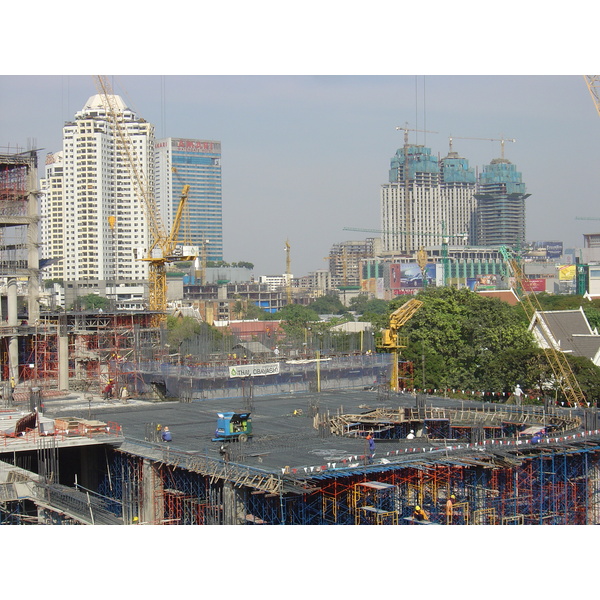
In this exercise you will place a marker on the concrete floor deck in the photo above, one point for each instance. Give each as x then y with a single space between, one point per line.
280 440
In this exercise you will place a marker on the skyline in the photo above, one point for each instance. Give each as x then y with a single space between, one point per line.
305 156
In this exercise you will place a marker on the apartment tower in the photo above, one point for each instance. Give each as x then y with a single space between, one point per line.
427 200
95 226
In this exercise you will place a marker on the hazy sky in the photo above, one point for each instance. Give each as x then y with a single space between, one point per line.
305 156
306 102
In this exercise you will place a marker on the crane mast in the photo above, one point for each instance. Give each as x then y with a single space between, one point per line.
163 247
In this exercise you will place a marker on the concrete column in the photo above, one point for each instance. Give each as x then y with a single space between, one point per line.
151 496
13 344
234 508
63 354
13 318
593 489
33 254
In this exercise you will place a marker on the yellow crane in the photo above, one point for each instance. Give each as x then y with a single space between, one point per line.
390 340
593 85
164 248
563 374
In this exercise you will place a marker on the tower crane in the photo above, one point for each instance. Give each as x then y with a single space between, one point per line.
502 140
443 236
407 198
390 340
557 360
593 85
164 248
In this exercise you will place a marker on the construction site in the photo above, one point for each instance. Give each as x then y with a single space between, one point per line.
295 449
303 439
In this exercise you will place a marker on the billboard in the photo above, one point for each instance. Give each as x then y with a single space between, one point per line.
395 275
483 282
411 276
534 285
552 250
567 272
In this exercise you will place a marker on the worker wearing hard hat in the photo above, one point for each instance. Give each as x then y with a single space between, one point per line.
450 509
420 515
411 435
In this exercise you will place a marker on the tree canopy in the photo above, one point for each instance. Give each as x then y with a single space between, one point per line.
461 339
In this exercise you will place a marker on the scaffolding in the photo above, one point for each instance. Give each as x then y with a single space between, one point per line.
556 486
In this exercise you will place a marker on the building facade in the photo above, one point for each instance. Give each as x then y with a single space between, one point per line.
427 201
95 225
196 163
500 199
345 260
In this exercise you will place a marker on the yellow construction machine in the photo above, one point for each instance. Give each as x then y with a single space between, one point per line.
390 339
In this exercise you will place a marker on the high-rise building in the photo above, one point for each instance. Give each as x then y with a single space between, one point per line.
426 201
95 225
501 199
196 163
345 260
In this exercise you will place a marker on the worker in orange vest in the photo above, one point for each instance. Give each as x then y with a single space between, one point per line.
450 509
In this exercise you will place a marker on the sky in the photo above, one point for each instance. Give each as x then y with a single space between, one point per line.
304 156
307 114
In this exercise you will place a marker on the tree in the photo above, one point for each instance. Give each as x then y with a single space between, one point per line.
296 319
328 305
467 341
94 302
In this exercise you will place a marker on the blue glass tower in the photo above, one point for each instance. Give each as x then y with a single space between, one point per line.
196 163
501 196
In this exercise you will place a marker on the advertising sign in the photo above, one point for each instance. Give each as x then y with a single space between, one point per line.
566 272
395 272
254 370
534 285
553 250
411 276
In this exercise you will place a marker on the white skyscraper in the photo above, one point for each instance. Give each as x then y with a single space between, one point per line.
426 198
94 224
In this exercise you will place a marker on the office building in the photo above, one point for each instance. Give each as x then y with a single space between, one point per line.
500 199
197 163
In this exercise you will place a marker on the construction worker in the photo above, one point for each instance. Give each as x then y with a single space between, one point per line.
166 435
108 390
420 515
371 447
411 435
450 509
